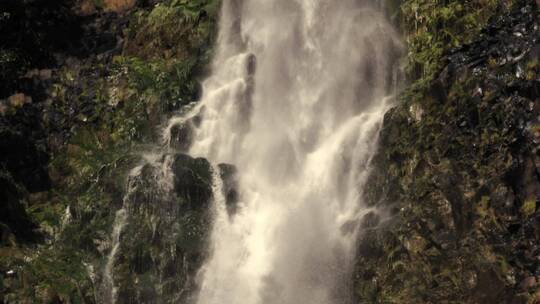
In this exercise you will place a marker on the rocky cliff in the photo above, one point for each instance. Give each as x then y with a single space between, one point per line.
458 167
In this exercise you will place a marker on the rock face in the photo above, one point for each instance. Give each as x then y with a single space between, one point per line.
163 242
461 179
80 98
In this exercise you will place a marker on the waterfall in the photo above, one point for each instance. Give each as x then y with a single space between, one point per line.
295 101
289 120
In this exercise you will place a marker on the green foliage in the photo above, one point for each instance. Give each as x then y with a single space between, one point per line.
174 29
172 83
48 275
452 173
106 111
433 27
529 207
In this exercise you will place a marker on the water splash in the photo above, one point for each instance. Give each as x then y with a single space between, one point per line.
109 289
164 183
296 100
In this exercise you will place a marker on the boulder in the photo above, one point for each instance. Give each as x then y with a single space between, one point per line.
163 243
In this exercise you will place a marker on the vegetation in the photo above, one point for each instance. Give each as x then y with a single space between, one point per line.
434 27
456 165
99 109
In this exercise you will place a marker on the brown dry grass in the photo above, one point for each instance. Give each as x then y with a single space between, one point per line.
88 7
118 5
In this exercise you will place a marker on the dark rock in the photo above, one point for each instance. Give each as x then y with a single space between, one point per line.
33 31
230 187
528 283
168 222
464 176
192 180
490 287
13 218
21 151
370 220
181 136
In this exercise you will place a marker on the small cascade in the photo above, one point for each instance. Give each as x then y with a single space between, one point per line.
158 237
108 279
109 289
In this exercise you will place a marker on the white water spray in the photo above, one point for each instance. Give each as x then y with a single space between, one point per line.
164 182
120 220
295 102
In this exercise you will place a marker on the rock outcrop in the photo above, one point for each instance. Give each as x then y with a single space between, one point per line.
458 172
164 238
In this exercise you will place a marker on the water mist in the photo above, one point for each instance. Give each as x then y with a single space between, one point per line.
295 101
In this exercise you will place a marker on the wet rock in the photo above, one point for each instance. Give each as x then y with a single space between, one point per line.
464 176
370 220
527 283
230 187
416 112
181 136
164 239
251 65
192 180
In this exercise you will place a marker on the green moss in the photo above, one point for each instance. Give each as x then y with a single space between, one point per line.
51 273
482 209
106 110
450 174
173 29
99 3
434 27
529 207
168 84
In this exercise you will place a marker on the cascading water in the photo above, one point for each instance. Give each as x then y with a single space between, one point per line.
296 99
109 289
162 180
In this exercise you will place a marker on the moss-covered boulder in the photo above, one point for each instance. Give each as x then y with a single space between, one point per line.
163 239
